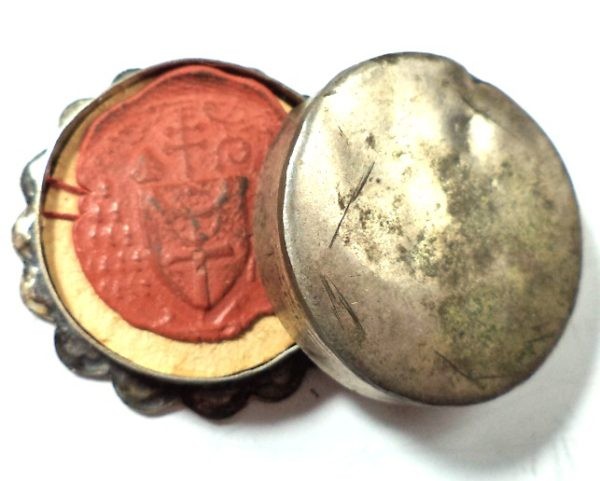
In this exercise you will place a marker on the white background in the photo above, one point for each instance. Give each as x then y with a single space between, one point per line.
54 425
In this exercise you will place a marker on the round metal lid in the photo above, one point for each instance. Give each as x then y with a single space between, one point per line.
418 233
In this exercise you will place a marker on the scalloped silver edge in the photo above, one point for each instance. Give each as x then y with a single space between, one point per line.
142 393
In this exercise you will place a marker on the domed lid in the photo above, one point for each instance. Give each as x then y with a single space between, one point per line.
418 233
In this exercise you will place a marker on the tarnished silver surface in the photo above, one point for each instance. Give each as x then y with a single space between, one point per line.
419 233
141 391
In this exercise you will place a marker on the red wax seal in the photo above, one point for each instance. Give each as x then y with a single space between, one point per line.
168 180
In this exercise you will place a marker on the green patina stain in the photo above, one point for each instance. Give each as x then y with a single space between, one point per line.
496 326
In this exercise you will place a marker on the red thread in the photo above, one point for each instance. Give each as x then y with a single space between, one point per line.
60 215
59 184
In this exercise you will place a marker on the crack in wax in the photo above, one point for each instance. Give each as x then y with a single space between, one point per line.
167 184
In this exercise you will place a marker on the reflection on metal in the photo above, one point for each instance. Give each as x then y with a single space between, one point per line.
419 233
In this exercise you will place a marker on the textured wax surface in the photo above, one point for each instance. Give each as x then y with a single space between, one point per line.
164 232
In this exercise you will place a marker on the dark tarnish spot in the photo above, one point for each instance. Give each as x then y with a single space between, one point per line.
506 169
428 304
549 204
446 165
421 256
466 193
459 134
373 252
398 201
483 255
364 215
370 141
391 223
541 198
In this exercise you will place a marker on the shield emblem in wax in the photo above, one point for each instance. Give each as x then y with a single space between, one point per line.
168 180
199 237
